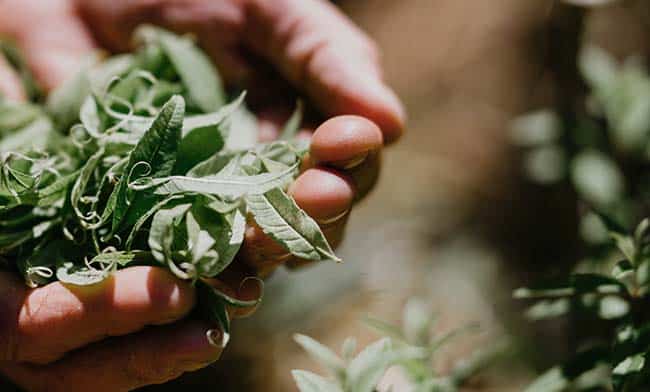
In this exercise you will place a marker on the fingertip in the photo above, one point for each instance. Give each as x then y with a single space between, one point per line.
324 194
345 141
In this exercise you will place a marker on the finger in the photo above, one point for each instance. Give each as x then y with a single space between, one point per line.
320 51
215 24
351 143
325 194
10 85
57 318
345 141
51 35
153 356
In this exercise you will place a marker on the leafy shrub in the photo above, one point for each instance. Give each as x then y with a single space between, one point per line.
411 347
602 149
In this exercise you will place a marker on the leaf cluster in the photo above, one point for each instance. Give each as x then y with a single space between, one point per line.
145 159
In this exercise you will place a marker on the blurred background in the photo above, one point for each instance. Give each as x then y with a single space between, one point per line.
452 219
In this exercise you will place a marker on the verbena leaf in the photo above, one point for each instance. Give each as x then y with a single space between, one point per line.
162 232
417 321
156 150
220 185
365 371
310 382
280 217
65 101
597 178
80 275
194 68
213 307
320 353
551 381
292 126
243 130
203 136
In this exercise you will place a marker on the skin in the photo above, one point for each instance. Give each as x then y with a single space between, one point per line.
130 331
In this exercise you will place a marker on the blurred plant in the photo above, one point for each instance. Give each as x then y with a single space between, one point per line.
411 347
602 148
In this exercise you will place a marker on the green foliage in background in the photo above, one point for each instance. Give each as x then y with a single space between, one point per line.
411 347
602 149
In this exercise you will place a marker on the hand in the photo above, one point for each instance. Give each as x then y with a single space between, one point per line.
315 48
107 337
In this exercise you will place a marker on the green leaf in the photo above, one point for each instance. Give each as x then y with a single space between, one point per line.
122 258
613 307
66 100
212 165
385 329
38 135
539 128
219 236
213 308
82 182
16 115
280 217
80 275
161 234
597 178
598 67
365 371
548 308
417 321
243 130
156 152
348 348
194 68
203 136
291 128
310 382
551 381
629 365
221 185
626 245
321 353
573 285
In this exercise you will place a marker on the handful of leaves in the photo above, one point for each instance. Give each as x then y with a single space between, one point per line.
141 160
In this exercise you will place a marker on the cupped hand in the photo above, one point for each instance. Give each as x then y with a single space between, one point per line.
118 335
309 45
